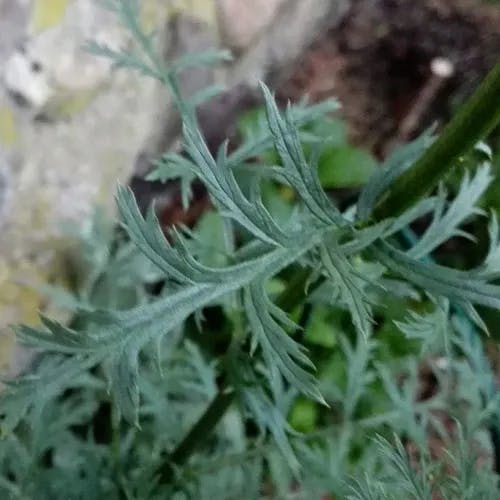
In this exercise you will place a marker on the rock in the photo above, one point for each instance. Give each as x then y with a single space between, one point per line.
241 22
296 25
5 190
69 131
38 71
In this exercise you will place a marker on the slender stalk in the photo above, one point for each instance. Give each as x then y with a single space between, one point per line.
475 119
295 292
198 434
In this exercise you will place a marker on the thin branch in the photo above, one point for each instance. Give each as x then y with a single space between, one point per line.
476 118
198 434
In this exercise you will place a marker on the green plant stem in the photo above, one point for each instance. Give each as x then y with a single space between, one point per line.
295 292
206 422
475 119
197 435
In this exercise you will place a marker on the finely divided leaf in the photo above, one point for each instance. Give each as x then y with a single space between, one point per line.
278 348
490 268
343 277
456 285
397 163
432 329
120 336
219 179
447 219
301 176
262 140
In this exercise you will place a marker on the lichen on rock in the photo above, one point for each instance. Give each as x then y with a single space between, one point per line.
69 131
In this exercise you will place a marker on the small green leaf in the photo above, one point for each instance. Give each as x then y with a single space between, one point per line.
252 125
274 287
304 416
332 130
345 167
209 234
461 286
348 286
448 217
297 170
280 351
323 327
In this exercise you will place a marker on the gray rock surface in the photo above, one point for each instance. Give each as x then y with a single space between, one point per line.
69 131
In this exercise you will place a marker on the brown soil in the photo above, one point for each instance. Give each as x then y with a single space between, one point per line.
378 62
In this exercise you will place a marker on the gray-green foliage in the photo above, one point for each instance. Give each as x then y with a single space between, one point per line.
161 381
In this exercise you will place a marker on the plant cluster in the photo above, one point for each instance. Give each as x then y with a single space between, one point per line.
274 349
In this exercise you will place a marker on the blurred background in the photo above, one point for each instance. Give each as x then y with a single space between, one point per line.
71 128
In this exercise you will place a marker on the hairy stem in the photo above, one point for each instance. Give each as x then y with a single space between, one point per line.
198 434
475 119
